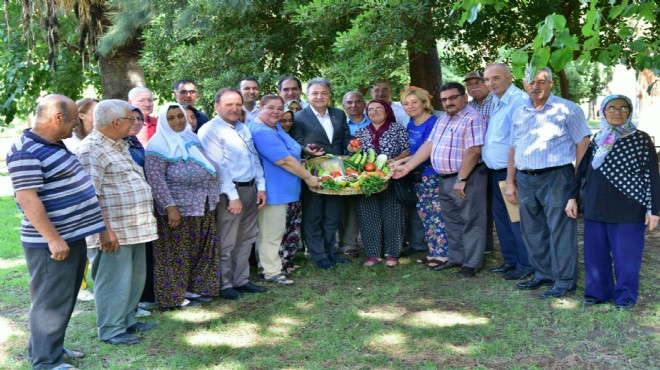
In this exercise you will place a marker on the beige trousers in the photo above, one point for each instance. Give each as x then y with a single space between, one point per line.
272 225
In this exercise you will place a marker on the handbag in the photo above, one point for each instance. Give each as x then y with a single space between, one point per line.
404 191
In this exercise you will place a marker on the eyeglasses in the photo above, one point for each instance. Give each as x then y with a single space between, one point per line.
623 109
450 98
187 92
376 109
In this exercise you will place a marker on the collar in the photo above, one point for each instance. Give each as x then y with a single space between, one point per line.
34 137
552 99
364 120
98 134
327 112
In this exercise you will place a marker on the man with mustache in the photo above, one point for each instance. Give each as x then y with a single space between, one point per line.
548 133
454 147
186 93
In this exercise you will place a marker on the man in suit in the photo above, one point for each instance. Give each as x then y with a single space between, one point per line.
326 127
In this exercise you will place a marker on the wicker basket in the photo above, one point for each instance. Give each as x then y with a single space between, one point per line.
344 191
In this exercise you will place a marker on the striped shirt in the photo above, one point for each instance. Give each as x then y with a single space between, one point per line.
452 135
547 137
63 187
123 192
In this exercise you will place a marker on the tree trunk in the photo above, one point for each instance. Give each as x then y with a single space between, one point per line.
425 72
563 84
120 71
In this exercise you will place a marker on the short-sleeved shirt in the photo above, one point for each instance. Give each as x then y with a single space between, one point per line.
546 137
123 192
418 136
452 135
274 145
65 190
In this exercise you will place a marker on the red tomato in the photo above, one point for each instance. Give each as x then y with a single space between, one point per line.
370 167
336 174
355 143
380 173
325 177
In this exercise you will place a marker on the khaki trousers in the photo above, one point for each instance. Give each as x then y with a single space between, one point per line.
272 225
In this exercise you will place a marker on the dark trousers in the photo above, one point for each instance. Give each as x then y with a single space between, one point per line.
415 232
605 243
321 218
237 234
465 218
509 234
148 293
382 221
549 234
54 286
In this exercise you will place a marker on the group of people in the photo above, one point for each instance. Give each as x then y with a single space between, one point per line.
167 209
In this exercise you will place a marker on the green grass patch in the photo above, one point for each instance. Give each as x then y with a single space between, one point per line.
408 317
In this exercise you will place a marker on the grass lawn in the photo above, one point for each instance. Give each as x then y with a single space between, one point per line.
358 318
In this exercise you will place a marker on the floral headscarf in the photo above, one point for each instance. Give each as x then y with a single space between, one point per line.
389 118
609 133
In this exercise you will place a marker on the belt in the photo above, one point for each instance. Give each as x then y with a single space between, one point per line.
543 170
501 170
248 183
448 176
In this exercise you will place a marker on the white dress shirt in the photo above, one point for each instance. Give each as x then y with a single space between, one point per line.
326 123
251 115
232 150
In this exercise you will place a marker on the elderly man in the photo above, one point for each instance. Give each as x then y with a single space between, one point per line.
506 99
249 89
142 98
290 88
548 133
354 104
228 143
119 271
454 147
186 92
61 209
326 127
482 99
382 90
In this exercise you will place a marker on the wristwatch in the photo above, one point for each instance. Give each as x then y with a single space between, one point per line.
458 179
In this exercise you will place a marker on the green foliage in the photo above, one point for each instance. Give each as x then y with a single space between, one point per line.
586 82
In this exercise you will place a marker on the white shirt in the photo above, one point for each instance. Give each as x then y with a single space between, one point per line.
231 149
400 114
251 115
326 123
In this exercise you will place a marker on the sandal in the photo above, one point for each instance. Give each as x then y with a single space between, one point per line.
423 260
69 354
391 261
371 261
279 279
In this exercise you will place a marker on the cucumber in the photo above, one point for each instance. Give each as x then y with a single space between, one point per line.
355 156
372 156
364 159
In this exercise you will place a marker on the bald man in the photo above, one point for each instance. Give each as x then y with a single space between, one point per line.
60 207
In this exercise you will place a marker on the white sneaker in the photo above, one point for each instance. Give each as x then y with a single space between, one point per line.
85 295
142 313
147 305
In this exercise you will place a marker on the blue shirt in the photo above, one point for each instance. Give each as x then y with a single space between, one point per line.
417 136
354 126
65 190
495 151
282 186
547 137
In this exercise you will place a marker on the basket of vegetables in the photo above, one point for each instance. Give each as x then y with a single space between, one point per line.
362 173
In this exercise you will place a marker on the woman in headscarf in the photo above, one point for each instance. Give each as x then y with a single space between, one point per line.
381 217
186 190
292 240
293 106
621 199
417 103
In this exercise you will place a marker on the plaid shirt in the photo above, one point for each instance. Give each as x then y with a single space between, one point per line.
486 108
123 192
452 135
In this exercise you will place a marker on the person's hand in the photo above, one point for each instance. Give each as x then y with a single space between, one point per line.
459 189
651 221
511 193
59 249
400 171
571 208
235 206
312 182
109 241
173 217
313 149
261 199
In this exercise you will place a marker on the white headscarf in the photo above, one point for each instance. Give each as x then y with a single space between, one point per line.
177 146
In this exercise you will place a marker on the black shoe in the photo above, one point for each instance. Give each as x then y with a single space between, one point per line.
518 274
140 326
534 283
230 293
251 288
556 292
446 266
505 267
591 301
200 299
467 272
325 264
123 338
333 258
624 306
